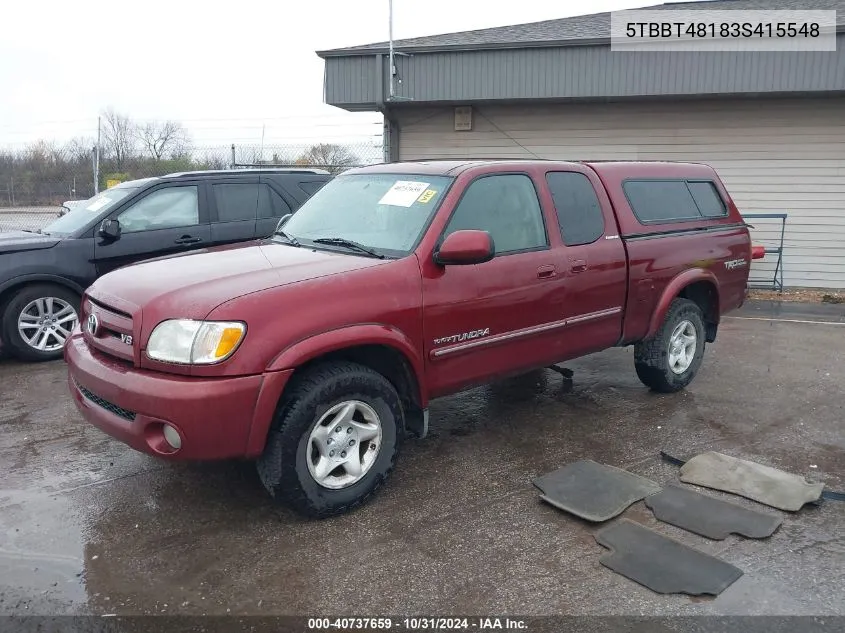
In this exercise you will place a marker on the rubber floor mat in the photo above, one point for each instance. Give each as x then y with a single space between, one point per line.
707 516
595 492
763 484
662 564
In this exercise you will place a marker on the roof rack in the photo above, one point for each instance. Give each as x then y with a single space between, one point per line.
250 169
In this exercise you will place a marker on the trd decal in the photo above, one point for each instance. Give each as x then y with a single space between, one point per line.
465 336
735 263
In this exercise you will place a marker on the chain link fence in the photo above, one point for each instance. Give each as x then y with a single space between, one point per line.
37 181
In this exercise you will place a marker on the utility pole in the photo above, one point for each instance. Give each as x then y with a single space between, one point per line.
261 160
97 160
392 68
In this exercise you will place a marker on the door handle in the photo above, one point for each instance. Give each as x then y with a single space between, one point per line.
578 265
544 272
187 239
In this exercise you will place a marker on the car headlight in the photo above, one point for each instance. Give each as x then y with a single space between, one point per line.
195 342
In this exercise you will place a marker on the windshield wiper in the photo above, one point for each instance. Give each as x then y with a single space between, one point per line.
289 238
341 241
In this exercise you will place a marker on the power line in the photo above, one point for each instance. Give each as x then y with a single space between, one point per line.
320 121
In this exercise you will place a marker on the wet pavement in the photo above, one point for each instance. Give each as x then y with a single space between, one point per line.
89 526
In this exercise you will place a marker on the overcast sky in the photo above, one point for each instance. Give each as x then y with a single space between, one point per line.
222 69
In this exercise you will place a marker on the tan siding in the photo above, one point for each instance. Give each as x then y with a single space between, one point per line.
775 156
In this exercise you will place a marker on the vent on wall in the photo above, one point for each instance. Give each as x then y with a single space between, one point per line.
463 118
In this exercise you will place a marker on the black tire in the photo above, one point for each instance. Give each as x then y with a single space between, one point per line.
651 356
12 339
283 468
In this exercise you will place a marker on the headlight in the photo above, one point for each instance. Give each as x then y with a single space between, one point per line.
195 342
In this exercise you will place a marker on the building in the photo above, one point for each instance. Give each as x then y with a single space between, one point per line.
771 123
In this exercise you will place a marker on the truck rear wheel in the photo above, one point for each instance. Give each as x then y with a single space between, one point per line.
669 360
334 441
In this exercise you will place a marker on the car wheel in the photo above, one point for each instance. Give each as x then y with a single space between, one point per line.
669 360
334 440
38 320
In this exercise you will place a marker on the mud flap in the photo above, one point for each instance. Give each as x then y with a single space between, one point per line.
416 423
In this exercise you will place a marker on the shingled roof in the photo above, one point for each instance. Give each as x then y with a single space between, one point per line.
577 30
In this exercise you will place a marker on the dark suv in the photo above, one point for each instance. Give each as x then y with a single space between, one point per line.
43 274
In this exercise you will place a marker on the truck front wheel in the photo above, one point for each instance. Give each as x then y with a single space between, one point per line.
334 440
668 361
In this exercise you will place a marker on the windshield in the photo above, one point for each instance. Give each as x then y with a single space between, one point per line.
386 213
82 213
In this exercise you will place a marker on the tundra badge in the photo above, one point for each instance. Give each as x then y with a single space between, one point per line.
735 263
465 336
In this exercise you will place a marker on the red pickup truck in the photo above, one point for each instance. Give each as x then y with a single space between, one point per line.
316 350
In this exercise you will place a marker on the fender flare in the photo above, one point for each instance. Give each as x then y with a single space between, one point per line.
335 340
36 277
673 289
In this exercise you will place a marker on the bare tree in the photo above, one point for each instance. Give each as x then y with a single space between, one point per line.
329 156
214 160
118 137
44 152
79 149
163 138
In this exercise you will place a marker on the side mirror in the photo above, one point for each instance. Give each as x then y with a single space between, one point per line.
110 229
465 247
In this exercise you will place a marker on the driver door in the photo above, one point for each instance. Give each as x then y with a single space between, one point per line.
171 218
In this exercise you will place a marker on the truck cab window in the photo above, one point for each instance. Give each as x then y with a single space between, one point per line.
578 208
506 207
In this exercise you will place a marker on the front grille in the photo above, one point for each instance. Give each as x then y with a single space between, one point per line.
109 308
120 412
112 325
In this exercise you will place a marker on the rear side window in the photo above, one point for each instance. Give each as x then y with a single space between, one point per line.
578 209
236 201
673 200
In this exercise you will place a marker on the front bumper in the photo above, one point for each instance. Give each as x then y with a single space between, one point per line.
216 418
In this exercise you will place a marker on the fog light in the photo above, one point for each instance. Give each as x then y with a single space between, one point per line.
171 436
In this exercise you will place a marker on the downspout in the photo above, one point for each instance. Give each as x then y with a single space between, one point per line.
390 132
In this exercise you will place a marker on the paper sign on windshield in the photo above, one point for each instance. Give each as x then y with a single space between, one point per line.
98 204
403 193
